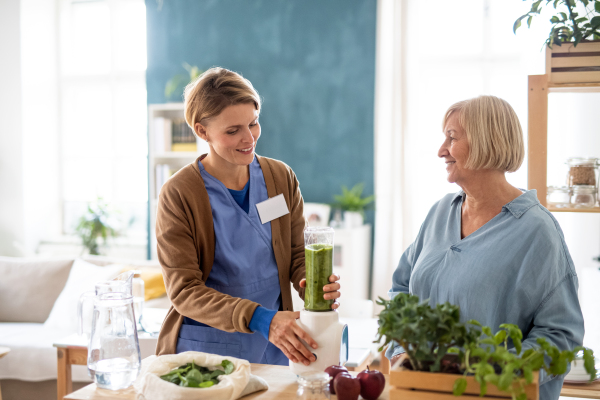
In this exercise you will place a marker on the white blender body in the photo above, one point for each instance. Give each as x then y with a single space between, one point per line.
317 318
331 336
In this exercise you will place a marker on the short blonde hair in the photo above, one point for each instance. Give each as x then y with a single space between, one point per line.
493 131
213 91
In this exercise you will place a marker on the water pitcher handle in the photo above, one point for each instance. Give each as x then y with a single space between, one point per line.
86 296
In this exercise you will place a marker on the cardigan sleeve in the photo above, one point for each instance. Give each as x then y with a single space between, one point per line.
297 269
181 257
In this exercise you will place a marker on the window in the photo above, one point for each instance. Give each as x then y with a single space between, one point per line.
103 110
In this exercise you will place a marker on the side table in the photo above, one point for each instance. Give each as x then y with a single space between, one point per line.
3 351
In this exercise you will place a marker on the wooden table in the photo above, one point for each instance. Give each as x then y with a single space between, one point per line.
282 386
587 391
3 351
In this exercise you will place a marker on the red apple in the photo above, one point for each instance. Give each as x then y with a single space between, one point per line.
372 383
333 371
346 386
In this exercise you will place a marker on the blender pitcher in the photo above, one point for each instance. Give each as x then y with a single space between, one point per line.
318 252
114 358
121 284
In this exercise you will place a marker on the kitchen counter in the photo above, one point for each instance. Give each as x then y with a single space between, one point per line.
282 386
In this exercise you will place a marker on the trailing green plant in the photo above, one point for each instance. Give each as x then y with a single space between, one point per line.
178 82
430 334
98 222
192 375
352 200
568 24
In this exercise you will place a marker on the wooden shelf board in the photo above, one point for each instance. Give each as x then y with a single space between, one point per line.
592 87
570 209
177 154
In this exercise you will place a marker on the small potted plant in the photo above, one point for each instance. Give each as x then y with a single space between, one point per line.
574 39
439 349
177 83
98 222
353 205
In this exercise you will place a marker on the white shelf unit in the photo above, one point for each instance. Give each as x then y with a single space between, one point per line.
175 160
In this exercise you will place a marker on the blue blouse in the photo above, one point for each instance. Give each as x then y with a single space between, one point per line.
514 269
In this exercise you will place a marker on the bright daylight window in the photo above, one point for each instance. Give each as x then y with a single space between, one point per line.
103 110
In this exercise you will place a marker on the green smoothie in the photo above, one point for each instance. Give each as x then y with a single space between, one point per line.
319 267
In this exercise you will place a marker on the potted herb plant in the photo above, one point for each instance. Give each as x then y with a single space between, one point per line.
98 222
574 39
439 349
353 205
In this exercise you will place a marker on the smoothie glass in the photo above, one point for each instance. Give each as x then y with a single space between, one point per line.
318 253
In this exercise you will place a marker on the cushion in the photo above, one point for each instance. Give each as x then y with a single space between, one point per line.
154 285
82 278
29 287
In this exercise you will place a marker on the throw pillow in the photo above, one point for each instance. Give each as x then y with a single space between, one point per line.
154 285
29 287
82 279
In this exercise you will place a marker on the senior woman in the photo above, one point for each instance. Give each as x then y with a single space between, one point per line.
491 248
227 264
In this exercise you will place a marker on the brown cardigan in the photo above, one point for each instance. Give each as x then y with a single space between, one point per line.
186 251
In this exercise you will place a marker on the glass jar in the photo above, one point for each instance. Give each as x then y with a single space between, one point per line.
558 196
313 386
582 171
583 196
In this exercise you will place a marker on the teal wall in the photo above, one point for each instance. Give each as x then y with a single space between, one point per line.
313 63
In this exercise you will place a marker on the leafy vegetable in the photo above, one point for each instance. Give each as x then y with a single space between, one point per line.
429 334
192 375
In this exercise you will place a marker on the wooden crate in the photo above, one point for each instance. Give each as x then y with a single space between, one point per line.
414 385
570 64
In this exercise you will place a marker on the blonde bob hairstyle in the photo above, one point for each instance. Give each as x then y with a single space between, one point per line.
493 132
213 91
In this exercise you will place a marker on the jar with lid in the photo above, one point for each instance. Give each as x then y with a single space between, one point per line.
582 171
138 291
313 386
583 196
558 196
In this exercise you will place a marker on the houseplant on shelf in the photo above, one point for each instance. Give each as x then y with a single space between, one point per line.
98 222
179 81
437 342
574 21
353 205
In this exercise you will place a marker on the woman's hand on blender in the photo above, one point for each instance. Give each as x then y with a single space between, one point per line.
331 290
284 333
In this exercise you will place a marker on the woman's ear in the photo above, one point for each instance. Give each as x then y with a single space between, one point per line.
201 131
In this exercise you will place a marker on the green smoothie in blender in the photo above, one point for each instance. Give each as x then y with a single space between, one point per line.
319 266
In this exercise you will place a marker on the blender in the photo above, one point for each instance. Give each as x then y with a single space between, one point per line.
317 318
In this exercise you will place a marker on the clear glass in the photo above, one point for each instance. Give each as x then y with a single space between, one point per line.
121 284
114 353
313 386
318 254
138 298
583 196
582 171
558 196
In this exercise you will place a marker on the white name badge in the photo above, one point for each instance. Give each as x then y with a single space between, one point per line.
271 209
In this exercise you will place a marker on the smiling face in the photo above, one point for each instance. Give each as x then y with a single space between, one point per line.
232 135
455 150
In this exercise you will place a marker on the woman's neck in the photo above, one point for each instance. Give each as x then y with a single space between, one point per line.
487 191
233 176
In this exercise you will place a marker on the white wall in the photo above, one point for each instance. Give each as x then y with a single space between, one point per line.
12 228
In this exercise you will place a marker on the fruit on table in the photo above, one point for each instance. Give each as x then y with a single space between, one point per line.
346 386
372 383
333 371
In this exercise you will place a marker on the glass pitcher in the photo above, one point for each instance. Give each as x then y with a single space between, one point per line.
318 254
114 358
121 284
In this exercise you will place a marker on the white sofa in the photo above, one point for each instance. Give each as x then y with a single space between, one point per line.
31 319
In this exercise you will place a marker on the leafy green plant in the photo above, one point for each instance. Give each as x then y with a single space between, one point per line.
177 82
97 223
430 334
192 375
570 23
352 200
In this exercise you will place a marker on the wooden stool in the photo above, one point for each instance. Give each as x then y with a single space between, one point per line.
3 351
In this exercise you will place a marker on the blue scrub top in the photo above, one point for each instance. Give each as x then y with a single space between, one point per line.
244 267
